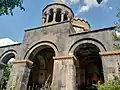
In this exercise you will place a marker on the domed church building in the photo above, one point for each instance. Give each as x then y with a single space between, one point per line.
64 53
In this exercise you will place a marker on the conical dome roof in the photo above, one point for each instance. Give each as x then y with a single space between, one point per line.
59 1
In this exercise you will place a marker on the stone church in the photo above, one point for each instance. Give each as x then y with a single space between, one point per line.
63 53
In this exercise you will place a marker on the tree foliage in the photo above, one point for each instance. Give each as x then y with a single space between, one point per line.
117 38
113 84
7 6
110 85
99 1
118 16
6 74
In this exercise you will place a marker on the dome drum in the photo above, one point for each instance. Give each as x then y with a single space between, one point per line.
56 13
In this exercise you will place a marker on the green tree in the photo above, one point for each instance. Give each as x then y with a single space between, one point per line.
99 1
110 85
6 74
113 84
118 16
7 6
117 38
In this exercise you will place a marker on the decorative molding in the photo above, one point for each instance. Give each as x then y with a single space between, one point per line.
110 53
22 62
64 57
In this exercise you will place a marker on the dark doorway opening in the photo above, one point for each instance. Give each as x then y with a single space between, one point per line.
58 15
42 70
89 69
51 16
65 17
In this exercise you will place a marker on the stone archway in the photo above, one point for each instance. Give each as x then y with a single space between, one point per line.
5 66
88 66
6 56
41 45
87 40
42 69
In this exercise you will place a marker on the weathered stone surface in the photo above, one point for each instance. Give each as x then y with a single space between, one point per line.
60 37
19 75
63 37
64 77
110 66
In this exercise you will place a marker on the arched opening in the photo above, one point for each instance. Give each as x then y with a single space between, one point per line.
42 69
8 58
89 69
51 15
6 69
65 16
45 15
58 15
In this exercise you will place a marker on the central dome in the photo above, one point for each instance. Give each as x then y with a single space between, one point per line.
57 12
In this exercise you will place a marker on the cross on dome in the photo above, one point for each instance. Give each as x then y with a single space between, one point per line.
59 1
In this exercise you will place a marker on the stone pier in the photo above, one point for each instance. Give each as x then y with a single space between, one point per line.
64 74
19 75
111 64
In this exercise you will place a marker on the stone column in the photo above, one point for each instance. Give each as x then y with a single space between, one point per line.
62 16
19 75
69 17
54 15
43 19
47 18
64 73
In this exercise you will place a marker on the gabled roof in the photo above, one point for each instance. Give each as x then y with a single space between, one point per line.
7 41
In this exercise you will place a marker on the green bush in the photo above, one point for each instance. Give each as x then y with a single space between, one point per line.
6 74
110 85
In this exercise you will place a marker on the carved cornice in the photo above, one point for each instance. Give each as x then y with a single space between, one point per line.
27 62
110 53
64 57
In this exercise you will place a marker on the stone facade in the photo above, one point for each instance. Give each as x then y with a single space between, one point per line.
60 53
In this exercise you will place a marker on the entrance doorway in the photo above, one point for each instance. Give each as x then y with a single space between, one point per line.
42 69
89 69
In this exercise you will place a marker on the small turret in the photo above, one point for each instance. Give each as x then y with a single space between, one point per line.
56 12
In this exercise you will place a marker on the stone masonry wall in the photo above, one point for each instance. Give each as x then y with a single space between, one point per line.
111 64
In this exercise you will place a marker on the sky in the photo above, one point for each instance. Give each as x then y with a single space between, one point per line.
99 16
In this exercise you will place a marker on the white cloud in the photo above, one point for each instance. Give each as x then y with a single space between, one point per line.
104 1
84 8
70 1
73 1
110 8
91 4
88 4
